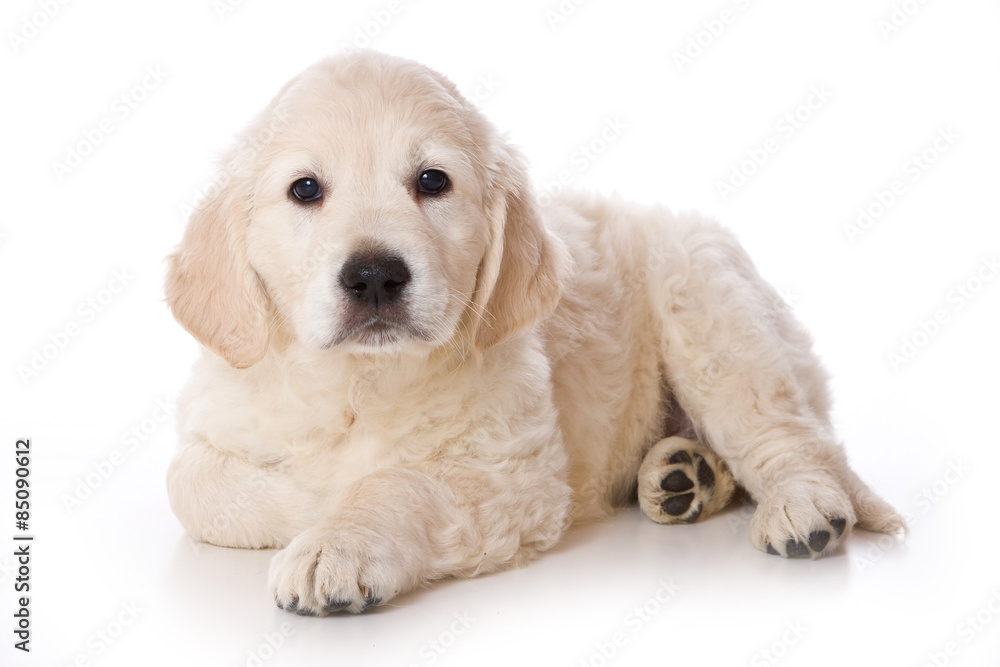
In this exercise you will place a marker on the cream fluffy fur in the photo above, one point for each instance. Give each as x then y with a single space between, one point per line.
548 354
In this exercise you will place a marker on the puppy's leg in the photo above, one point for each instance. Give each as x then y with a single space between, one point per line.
743 370
406 525
225 499
681 481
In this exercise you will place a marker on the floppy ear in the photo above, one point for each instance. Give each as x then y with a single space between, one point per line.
211 288
521 275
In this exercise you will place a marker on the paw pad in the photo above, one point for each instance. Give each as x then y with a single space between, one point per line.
332 606
813 547
818 540
679 456
680 501
677 505
705 475
679 482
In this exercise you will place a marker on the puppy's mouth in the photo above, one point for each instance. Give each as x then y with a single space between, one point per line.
377 331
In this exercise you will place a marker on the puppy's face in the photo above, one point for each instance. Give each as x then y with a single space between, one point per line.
368 225
375 211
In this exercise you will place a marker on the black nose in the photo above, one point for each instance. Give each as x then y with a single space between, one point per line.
374 277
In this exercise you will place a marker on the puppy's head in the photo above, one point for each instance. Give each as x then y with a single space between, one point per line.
370 209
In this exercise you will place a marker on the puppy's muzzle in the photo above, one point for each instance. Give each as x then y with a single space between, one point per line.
374 278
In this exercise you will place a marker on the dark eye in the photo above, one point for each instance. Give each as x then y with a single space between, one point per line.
432 181
307 189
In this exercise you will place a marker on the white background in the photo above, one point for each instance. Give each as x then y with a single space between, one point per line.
686 127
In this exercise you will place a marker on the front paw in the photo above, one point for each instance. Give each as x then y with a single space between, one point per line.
802 519
325 570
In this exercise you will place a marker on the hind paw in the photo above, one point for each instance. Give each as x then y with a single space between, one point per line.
681 481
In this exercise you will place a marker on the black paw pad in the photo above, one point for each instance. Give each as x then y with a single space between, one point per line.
818 539
679 457
839 525
771 550
677 505
676 482
291 606
796 549
371 600
705 475
336 605
695 513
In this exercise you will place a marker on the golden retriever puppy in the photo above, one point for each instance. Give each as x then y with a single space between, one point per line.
411 371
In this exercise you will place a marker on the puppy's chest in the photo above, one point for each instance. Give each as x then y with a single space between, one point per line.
370 429
412 426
